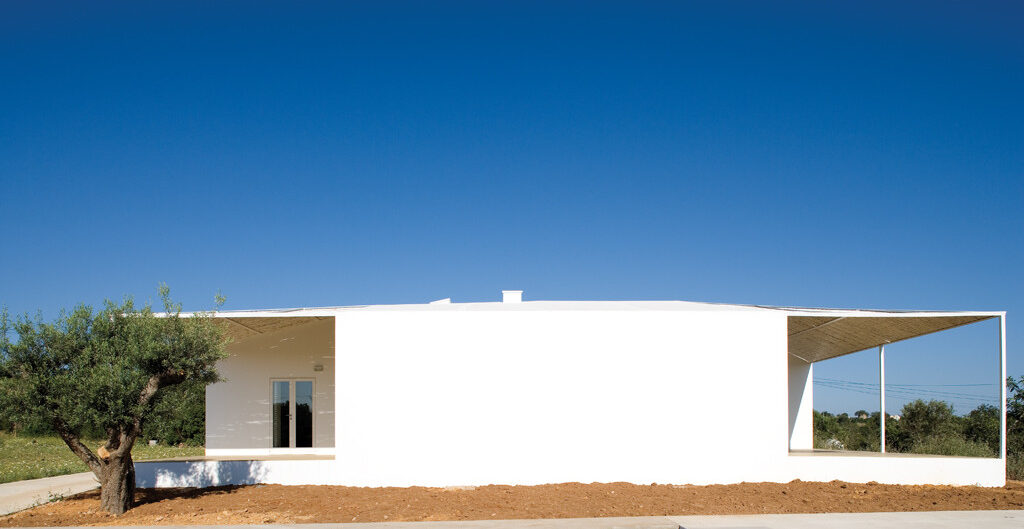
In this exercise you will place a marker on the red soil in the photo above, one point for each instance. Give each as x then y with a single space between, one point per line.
280 504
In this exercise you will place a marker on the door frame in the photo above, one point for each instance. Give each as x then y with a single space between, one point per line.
291 413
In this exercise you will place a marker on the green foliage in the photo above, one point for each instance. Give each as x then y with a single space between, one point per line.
895 438
826 430
924 428
921 420
952 445
179 415
1015 466
105 371
932 428
87 370
982 426
1015 416
843 432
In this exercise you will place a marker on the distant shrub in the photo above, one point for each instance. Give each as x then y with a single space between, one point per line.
982 426
1015 467
828 444
952 445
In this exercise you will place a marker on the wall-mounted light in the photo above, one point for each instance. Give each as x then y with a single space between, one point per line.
318 367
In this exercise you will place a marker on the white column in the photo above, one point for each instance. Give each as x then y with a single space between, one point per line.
1002 386
801 404
881 391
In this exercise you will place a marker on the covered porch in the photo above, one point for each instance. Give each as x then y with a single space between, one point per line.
271 418
277 397
815 335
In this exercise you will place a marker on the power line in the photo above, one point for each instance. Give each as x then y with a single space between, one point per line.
875 387
904 394
896 388
907 385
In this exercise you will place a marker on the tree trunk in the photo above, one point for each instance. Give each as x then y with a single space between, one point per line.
117 487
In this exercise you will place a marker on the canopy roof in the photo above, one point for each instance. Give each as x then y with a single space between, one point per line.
816 338
815 334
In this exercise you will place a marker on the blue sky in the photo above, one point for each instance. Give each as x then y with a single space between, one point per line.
814 154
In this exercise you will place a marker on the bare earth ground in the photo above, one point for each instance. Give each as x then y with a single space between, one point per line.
308 504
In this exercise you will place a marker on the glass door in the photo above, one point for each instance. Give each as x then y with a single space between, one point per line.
280 406
291 413
303 422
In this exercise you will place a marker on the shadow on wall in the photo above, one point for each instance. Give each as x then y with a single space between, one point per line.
199 473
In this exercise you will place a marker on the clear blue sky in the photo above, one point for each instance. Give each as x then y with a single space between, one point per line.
818 154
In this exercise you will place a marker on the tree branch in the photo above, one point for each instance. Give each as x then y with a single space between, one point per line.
78 447
155 382
113 436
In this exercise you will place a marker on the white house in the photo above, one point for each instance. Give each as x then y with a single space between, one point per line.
531 392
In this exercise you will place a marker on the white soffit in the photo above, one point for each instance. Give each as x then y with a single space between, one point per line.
830 333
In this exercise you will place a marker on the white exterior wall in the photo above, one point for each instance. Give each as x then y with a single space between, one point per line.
860 468
512 395
238 409
801 404
898 469
450 397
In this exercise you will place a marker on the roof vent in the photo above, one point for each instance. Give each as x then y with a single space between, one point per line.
511 296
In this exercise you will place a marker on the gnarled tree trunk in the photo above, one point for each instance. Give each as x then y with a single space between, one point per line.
113 468
117 484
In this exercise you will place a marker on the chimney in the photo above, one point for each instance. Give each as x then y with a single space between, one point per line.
511 296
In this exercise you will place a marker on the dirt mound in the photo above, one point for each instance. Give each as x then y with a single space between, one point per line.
280 504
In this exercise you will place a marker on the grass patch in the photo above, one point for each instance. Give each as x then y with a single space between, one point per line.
29 457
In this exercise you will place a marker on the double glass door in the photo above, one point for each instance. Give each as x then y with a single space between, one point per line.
291 412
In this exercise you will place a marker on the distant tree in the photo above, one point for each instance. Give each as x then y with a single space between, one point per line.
826 429
1015 428
894 436
104 369
1015 416
864 434
921 420
981 426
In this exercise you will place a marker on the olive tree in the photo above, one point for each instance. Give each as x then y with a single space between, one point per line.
99 370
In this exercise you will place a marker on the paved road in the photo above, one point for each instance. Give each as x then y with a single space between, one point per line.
878 520
21 495
899 520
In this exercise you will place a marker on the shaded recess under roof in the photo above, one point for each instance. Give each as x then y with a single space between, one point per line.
245 327
816 338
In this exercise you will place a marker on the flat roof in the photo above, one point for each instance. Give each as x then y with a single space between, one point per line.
616 305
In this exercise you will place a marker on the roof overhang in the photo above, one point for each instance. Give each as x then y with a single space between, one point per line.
814 334
820 334
242 324
242 327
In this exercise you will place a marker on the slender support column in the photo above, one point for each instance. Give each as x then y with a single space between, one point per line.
1002 386
881 391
